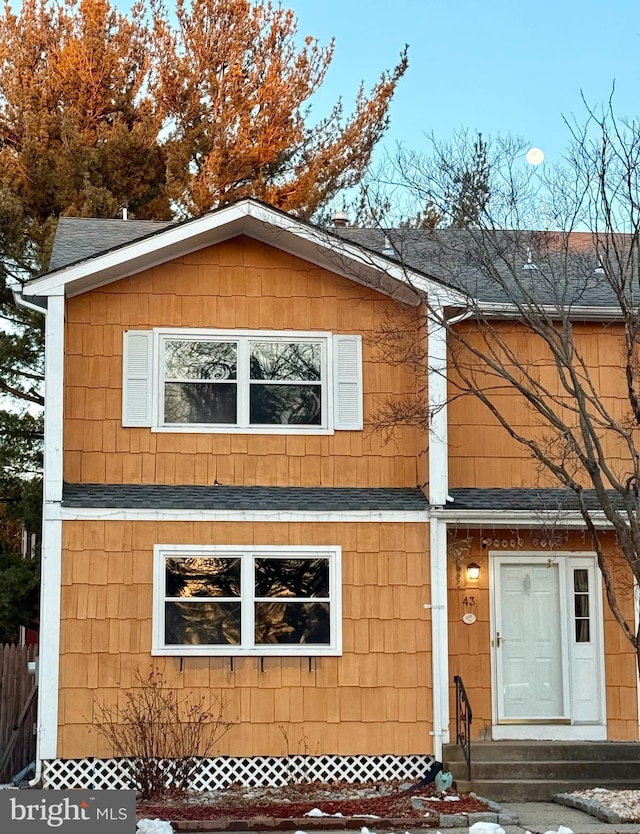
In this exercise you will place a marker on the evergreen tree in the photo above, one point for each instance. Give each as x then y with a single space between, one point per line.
99 111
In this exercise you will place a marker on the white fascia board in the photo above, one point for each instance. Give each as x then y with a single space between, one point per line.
143 514
517 518
347 258
272 227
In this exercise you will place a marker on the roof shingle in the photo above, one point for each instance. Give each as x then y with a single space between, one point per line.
238 498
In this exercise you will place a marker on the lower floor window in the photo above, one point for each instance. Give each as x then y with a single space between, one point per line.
230 600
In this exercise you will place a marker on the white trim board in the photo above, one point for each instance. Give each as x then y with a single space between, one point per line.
150 514
439 635
49 661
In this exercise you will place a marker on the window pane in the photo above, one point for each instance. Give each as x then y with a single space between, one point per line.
581 602
200 360
581 581
199 402
292 577
202 577
275 360
202 623
292 622
286 405
582 631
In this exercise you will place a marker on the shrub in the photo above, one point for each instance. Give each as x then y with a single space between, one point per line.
163 733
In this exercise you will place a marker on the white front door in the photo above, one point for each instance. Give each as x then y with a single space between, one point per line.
546 641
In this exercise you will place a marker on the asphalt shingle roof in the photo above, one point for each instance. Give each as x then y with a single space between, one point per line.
79 238
290 499
475 262
520 498
496 266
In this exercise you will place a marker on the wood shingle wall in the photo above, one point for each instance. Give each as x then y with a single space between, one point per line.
238 284
470 646
481 452
375 699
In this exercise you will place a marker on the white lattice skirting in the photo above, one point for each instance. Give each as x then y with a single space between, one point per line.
222 771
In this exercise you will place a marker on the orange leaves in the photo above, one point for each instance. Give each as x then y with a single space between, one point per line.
78 130
171 112
235 85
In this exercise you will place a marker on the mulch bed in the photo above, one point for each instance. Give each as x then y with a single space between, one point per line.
285 808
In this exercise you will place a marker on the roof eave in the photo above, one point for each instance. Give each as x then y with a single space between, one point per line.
38 305
258 221
570 519
574 312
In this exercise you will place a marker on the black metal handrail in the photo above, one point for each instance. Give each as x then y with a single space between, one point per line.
463 722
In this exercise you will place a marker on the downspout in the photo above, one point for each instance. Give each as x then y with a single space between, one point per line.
50 588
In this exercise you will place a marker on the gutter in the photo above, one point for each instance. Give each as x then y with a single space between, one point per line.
21 301
504 518
574 313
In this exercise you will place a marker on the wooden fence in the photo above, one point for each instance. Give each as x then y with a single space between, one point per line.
17 710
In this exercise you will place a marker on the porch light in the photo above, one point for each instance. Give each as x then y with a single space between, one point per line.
473 572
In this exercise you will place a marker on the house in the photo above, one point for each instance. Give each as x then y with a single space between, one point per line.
217 502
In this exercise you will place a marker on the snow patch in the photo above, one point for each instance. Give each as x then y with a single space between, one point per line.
156 826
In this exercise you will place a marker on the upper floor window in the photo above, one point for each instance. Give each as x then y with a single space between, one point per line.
264 381
244 382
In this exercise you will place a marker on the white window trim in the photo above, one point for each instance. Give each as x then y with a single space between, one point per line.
331 552
327 383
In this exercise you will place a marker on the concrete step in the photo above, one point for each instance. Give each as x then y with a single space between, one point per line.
536 771
541 790
513 751
624 771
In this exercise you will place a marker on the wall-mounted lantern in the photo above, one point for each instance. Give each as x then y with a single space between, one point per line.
473 572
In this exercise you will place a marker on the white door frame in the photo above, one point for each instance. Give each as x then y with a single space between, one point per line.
564 728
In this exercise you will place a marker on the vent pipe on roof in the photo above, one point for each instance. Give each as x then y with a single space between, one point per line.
340 219
387 248
125 213
530 263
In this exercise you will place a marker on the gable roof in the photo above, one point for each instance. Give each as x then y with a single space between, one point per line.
77 267
79 238
452 265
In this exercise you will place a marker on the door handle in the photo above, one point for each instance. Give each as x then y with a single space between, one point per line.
499 639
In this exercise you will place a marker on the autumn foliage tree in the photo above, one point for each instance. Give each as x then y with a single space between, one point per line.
167 114
233 83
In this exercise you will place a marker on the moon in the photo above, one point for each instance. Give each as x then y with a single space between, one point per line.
534 156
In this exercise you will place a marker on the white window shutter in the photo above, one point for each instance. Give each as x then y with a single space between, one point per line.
347 382
137 378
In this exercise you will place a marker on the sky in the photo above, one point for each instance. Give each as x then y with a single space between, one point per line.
498 66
